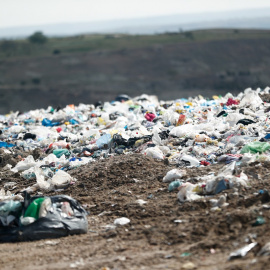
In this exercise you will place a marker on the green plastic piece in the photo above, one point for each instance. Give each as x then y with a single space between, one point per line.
33 209
259 221
174 185
255 147
60 152
185 254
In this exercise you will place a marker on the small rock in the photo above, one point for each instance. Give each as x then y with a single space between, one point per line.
121 221
141 202
52 243
188 265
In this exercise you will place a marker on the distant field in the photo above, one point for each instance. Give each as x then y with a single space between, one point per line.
91 43
88 68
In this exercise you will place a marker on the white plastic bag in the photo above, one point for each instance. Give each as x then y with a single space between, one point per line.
173 175
186 193
184 130
192 160
61 179
170 117
251 99
41 179
25 164
156 139
233 118
154 152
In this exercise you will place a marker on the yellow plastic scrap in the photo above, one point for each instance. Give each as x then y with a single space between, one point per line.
198 189
181 111
172 156
114 131
129 102
215 97
101 121
179 108
139 143
211 142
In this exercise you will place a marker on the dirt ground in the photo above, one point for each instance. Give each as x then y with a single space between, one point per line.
163 233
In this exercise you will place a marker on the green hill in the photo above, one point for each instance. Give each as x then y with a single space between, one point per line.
88 68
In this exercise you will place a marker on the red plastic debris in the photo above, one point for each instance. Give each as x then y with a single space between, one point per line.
149 116
181 120
231 101
205 163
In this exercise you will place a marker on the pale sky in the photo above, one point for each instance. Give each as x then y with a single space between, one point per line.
39 12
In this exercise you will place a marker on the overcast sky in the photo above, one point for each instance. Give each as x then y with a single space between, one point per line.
38 12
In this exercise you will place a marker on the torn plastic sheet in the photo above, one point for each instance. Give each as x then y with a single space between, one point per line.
242 252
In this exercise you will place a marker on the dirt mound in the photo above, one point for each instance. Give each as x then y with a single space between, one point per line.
6 158
163 233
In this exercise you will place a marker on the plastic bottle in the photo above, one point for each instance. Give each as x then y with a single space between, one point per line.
67 209
181 120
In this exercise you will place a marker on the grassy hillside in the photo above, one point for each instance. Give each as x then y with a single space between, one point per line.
89 68
91 43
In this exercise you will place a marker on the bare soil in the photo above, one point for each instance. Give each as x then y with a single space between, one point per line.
162 234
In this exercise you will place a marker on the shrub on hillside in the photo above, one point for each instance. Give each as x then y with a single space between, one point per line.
38 38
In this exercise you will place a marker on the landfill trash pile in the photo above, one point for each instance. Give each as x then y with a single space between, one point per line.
185 132
155 172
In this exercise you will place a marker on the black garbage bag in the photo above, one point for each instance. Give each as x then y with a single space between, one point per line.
245 122
119 140
221 113
29 136
164 134
53 225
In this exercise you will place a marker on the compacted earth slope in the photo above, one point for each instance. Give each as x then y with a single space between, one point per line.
162 233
